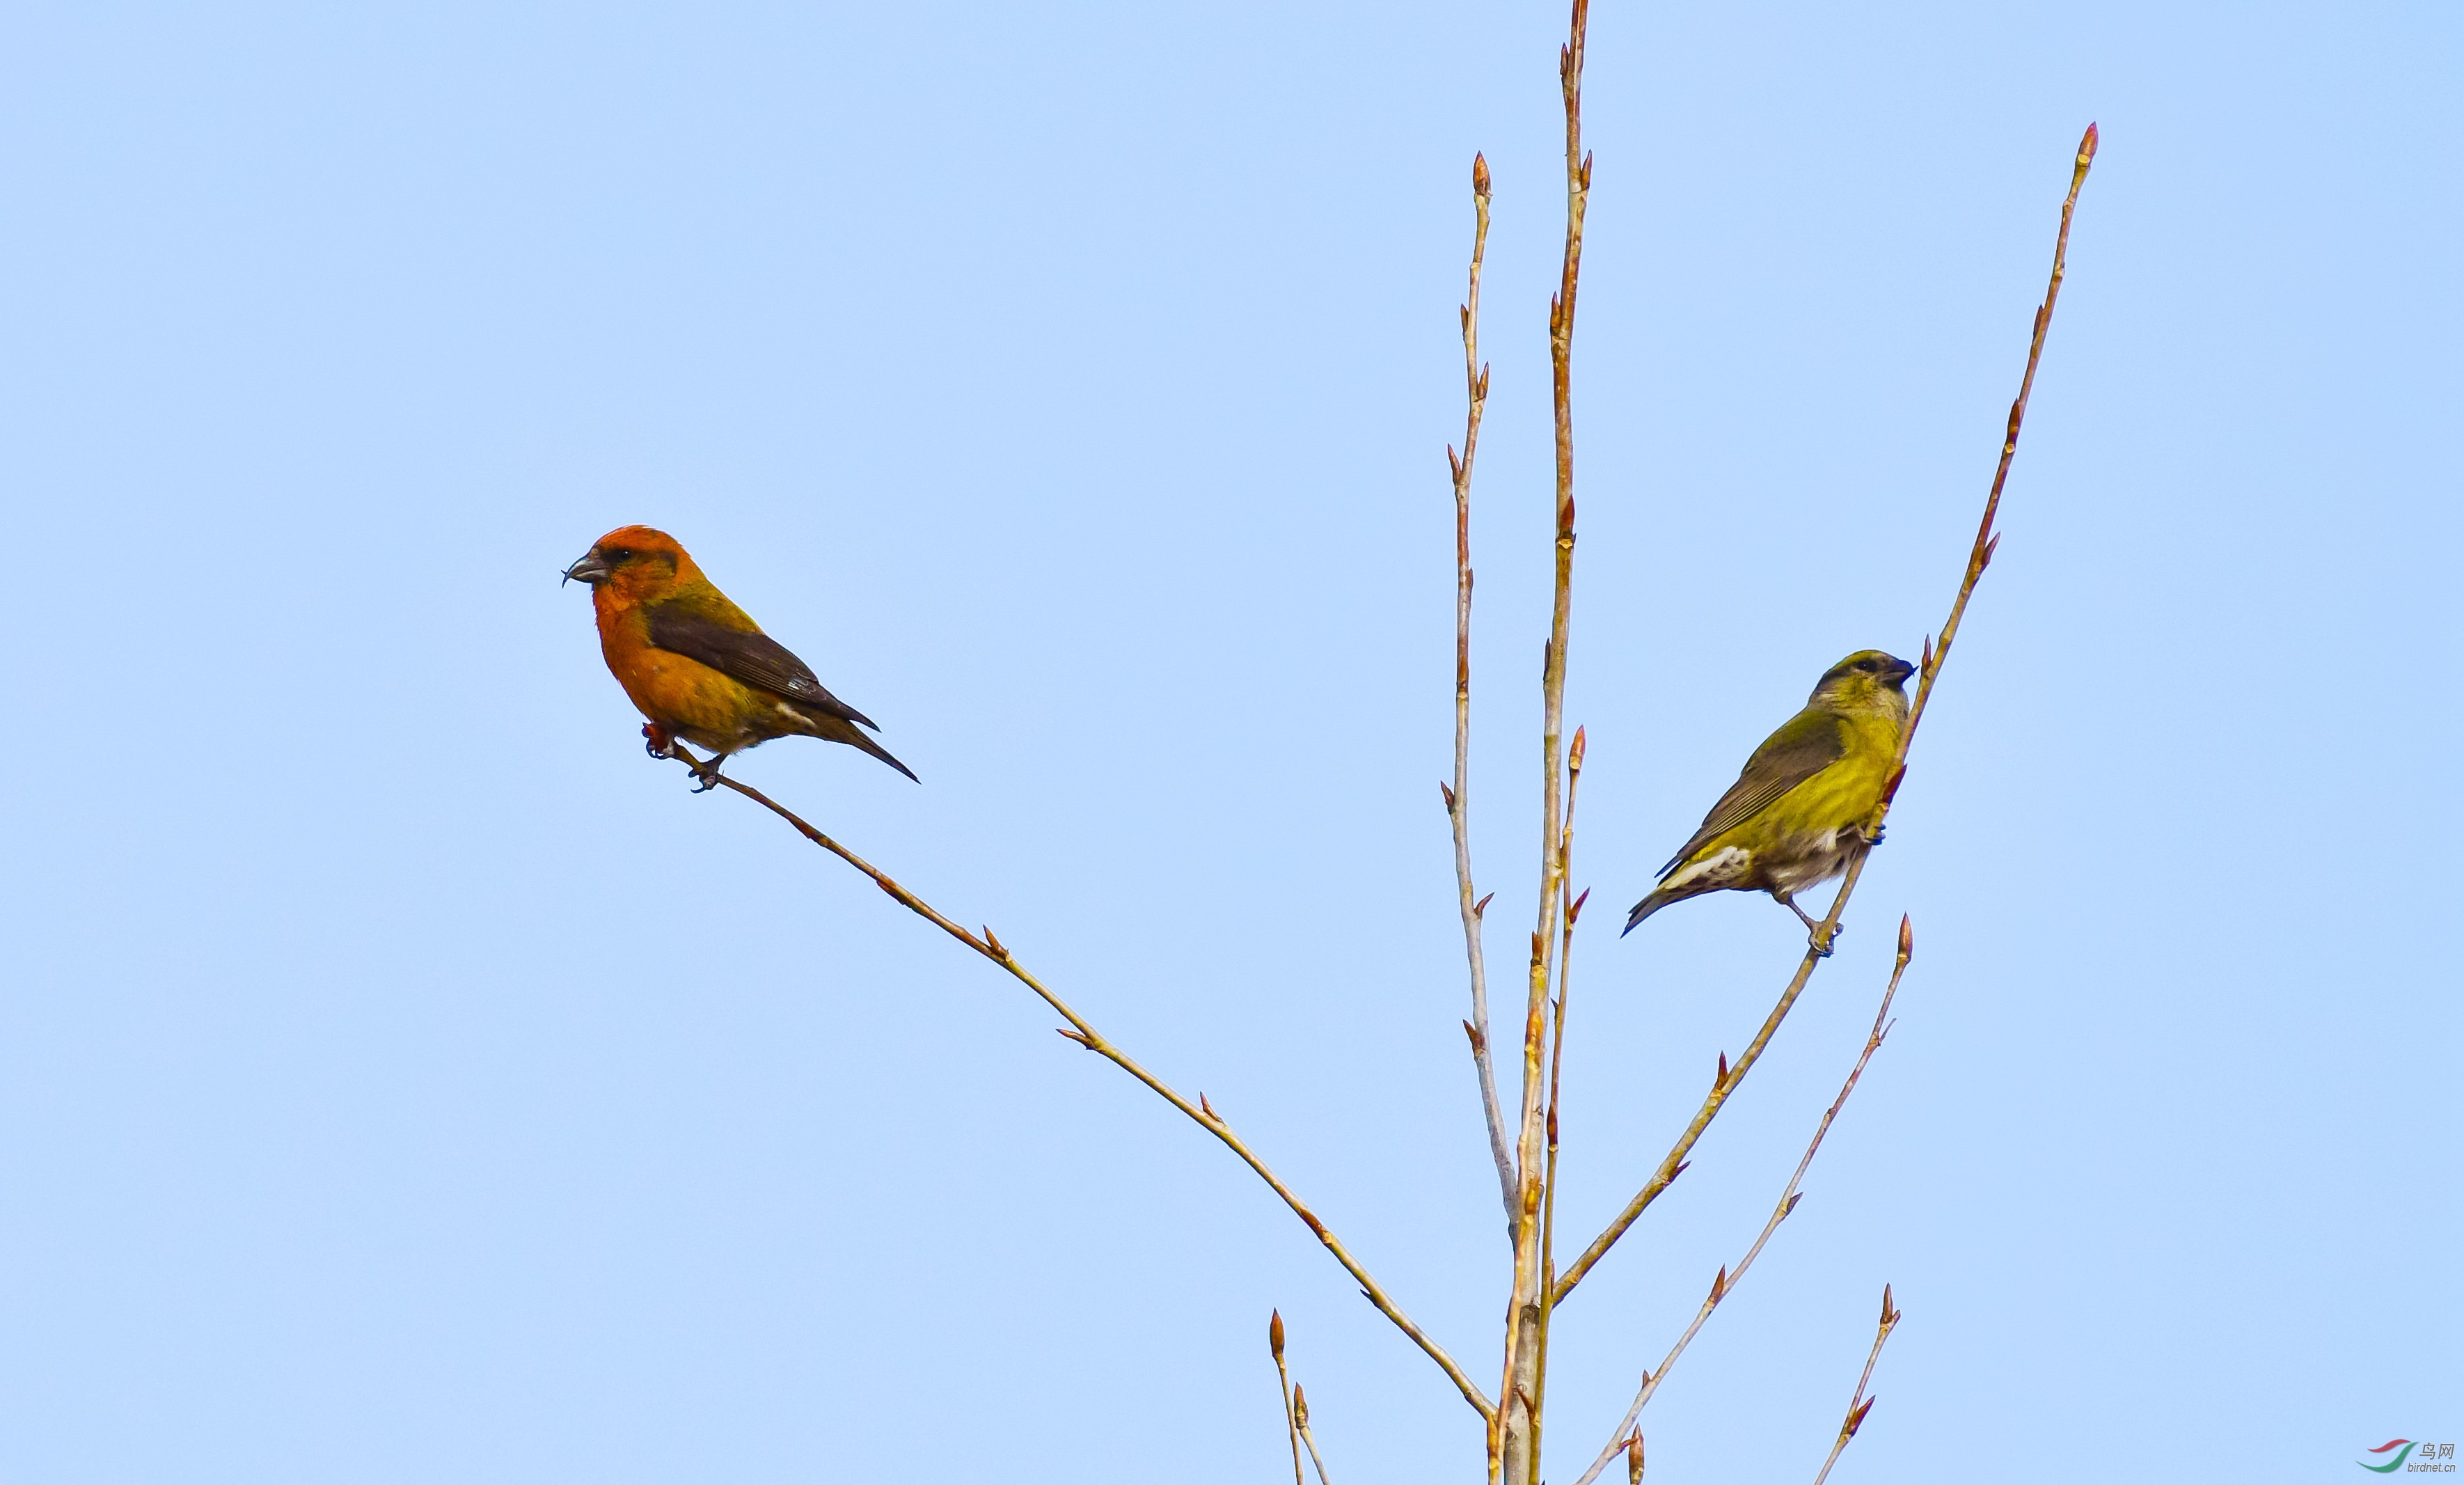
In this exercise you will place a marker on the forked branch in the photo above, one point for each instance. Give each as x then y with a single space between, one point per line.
1726 1282
1935 653
1085 1035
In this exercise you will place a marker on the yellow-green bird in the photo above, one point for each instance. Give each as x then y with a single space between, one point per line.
1795 816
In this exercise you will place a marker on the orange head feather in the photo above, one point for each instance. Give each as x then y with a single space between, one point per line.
635 564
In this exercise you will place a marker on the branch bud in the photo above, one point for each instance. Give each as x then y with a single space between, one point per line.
1207 1108
1857 1419
1907 939
1446 791
1720 1284
1480 168
1721 1079
1634 1460
1275 1334
2087 147
1574 755
1891 1317
1300 1409
1577 911
1480 908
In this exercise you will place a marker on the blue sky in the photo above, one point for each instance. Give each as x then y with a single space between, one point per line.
402 1080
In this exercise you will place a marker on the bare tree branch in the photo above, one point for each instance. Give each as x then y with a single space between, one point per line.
1726 1281
1086 1036
1515 1454
1979 556
1284 1389
1459 797
1860 1405
1300 1421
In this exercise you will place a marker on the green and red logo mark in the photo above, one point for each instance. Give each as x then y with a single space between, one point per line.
2402 1447
2404 1450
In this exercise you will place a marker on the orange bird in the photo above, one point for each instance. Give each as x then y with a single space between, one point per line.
696 664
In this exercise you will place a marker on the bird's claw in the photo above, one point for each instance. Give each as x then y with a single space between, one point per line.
709 778
1820 944
657 740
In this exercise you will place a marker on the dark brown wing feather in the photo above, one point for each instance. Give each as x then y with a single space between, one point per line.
1804 745
750 656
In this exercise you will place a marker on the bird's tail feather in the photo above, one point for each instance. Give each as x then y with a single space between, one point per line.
868 744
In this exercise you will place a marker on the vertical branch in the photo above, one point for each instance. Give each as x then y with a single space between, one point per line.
1459 797
1284 1388
1557 1065
1517 1405
1861 1405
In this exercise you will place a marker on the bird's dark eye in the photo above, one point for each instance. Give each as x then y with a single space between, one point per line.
1865 665
626 554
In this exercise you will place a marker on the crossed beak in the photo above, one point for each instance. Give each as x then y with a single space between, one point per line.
589 570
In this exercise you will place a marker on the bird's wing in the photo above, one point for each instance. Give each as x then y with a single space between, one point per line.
748 656
1805 745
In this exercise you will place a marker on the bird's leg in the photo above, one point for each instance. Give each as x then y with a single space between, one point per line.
660 742
1813 930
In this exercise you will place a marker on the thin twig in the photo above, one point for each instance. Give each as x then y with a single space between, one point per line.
1300 1421
1086 1036
1556 1063
1284 1388
1459 797
1726 1281
1524 1304
1935 652
1861 1405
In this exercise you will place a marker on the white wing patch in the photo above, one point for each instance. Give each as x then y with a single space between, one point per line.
1731 864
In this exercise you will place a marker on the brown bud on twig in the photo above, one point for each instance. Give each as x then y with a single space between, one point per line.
1634 1460
994 943
1988 559
2087 147
1576 910
1791 1208
1928 655
1857 1419
1720 1284
1678 1171
1299 1405
1721 1079
1209 1107
1574 754
1479 171
1891 1317
1473 1031
1480 908
1907 939
1275 1333
1447 792
1454 465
